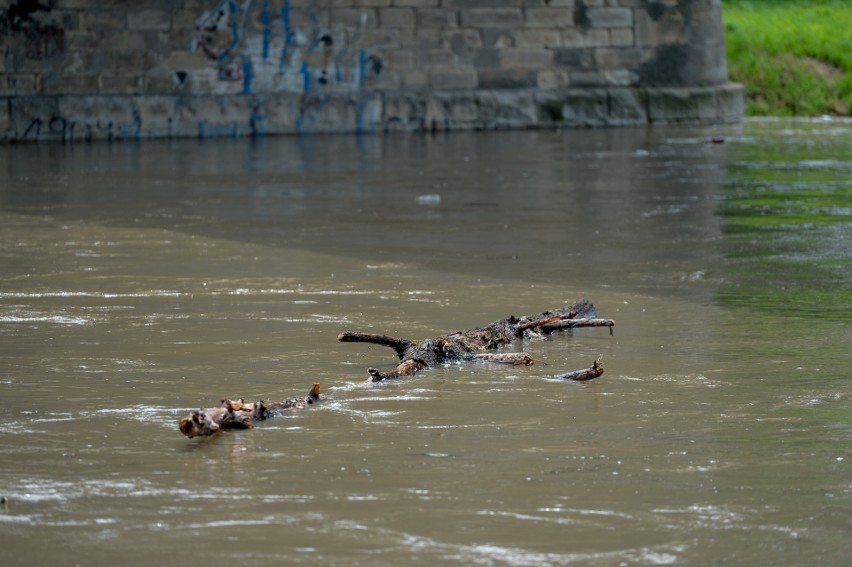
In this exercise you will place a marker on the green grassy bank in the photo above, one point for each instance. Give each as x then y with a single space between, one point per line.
793 56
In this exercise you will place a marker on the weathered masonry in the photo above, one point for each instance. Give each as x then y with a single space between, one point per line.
112 69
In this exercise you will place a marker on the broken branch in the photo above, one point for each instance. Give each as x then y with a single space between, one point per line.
240 415
474 344
590 373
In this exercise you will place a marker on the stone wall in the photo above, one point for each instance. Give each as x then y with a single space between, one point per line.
114 69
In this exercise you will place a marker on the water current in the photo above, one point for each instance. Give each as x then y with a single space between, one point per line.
141 281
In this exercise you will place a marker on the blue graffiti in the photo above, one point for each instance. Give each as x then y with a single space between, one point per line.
362 67
248 75
226 130
288 36
344 64
306 78
267 32
256 123
137 125
235 29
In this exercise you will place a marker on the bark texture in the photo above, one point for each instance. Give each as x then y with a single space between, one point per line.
475 344
240 415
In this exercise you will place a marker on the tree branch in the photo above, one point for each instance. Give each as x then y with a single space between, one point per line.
474 344
240 415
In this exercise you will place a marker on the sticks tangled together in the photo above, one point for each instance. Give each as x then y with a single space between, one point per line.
474 344
471 345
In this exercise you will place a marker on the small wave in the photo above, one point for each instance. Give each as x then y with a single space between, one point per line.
96 294
57 319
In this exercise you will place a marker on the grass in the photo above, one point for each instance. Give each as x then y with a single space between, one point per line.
794 57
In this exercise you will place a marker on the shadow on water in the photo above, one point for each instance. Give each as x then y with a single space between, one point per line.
532 205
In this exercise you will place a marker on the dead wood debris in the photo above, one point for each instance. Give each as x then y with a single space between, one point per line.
240 415
474 344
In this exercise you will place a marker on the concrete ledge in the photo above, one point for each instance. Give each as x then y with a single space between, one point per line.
131 118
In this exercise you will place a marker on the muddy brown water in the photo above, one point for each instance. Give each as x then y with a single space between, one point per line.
138 282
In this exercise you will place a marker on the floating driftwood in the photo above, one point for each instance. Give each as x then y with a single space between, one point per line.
240 415
473 345
595 370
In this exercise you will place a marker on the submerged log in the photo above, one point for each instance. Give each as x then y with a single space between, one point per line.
586 374
240 415
474 344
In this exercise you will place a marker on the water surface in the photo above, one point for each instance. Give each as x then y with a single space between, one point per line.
138 282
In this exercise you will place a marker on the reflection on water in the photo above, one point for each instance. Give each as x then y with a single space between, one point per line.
141 282
788 218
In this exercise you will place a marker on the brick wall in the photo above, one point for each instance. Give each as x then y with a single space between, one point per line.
74 69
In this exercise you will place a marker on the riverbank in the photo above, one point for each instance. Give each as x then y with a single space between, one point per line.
794 57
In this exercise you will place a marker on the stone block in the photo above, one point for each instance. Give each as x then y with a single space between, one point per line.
508 78
415 79
552 79
621 37
507 109
666 29
498 38
626 107
184 18
610 17
397 17
99 117
587 38
574 57
355 17
490 18
619 77
729 103
549 18
587 108
422 39
155 115
453 79
150 20
681 105
367 4
436 58
18 85
463 40
103 20
417 3
617 57
571 107
77 40
528 58
587 78
486 58
478 4
548 38
129 40
113 84
437 18
388 80
7 131
400 58
73 84
569 4
64 19
403 112
381 38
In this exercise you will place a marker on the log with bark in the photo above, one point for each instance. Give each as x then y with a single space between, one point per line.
240 415
475 344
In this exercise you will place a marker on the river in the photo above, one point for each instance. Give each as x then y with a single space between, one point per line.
141 281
